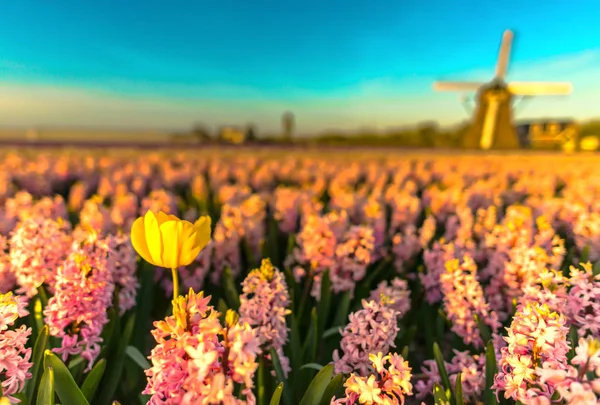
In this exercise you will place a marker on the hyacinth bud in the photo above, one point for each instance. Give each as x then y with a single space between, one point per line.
231 318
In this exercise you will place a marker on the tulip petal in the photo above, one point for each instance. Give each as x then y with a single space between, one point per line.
188 250
161 217
138 239
153 238
202 226
170 232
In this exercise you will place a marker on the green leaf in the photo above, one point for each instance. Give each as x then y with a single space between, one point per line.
41 343
64 384
111 380
313 366
139 359
484 329
317 387
596 269
273 239
295 343
556 396
43 296
291 242
574 338
38 313
440 396
76 365
309 351
335 330
489 398
439 359
341 316
46 391
92 381
222 308
458 394
260 385
287 395
108 332
404 352
334 385
276 398
231 293
585 254
145 301
324 304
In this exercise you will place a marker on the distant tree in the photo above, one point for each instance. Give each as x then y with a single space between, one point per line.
427 133
287 122
201 133
251 133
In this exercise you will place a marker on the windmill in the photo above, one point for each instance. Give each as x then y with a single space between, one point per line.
492 125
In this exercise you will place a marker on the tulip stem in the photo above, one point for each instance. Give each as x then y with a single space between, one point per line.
175 283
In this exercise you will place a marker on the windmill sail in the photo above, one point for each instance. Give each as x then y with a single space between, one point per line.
504 54
539 88
457 86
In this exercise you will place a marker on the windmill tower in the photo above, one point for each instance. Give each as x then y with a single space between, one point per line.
492 126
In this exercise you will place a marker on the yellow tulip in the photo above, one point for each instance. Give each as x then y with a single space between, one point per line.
167 241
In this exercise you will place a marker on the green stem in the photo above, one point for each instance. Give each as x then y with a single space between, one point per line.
175 283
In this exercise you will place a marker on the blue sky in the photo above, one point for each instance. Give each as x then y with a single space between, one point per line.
336 64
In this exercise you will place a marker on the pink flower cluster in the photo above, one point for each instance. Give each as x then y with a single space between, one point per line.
405 246
389 385
253 210
537 337
435 260
583 307
374 217
471 367
94 215
464 301
160 200
227 239
352 256
38 247
199 361
264 304
7 277
84 291
123 264
549 288
314 253
370 330
14 356
395 294
578 383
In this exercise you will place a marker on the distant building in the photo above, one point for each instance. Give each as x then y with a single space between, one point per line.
589 143
233 134
548 133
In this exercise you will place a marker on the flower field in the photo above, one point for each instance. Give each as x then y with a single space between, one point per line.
289 277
